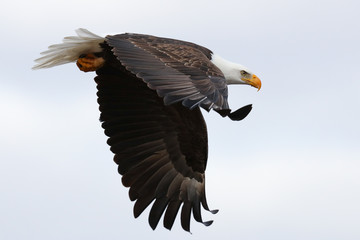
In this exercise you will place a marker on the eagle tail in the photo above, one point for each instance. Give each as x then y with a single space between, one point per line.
70 50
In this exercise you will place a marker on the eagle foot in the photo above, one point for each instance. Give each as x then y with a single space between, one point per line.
89 62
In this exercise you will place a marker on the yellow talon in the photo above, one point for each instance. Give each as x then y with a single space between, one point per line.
90 62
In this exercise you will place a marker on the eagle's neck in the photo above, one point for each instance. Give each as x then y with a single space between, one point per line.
230 70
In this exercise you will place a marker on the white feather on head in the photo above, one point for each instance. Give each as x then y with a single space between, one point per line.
232 71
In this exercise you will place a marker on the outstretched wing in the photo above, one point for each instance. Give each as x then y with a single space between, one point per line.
179 71
161 150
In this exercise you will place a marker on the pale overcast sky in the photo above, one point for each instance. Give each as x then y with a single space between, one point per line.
290 170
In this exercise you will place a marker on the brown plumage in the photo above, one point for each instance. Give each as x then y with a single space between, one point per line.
150 91
161 150
162 63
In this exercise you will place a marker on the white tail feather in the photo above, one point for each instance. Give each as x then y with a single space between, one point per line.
70 50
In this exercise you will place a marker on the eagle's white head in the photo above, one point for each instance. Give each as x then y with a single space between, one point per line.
236 73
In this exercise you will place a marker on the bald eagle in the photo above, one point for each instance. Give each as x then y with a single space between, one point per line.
150 91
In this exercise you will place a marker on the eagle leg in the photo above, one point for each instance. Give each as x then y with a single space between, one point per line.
89 62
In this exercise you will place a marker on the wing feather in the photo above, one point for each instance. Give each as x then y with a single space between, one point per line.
177 70
171 212
157 210
161 150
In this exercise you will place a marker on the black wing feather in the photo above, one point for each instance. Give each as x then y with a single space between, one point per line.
177 70
160 149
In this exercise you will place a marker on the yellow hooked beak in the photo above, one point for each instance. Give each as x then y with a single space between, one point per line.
253 81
